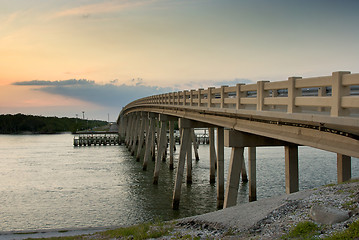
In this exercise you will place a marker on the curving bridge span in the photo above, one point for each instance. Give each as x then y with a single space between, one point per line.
320 112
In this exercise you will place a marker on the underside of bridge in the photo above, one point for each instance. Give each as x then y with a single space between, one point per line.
322 135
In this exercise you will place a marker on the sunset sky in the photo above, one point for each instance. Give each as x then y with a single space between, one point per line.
62 57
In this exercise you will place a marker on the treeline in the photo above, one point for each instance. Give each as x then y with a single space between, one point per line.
20 123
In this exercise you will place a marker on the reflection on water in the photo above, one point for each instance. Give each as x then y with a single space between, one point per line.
45 183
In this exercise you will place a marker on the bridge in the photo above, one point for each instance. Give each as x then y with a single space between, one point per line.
320 112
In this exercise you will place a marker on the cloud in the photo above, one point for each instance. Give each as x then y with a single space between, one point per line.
55 83
109 95
112 94
103 7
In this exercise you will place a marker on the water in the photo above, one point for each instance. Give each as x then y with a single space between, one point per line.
46 183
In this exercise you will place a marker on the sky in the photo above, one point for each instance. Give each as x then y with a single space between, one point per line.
62 57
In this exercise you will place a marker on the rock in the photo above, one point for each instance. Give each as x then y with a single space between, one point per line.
328 215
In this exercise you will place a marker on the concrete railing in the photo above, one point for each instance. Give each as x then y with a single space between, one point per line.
329 95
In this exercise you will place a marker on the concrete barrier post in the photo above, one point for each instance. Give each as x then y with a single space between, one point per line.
239 95
223 96
261 94
338 91
293 92
200 97
191 97
209 97
185 97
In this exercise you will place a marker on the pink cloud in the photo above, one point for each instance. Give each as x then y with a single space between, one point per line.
104 7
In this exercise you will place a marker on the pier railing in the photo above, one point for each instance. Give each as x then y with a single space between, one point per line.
334 96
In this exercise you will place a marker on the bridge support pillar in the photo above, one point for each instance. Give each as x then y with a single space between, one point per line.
185 138
244 172
220 167
343 168
291 169
122 124
154 144
195 144
189 158
129 130
235 166
172 142
162 143
252 174
149 140
237 141
144 118
212 156
137 126
132 133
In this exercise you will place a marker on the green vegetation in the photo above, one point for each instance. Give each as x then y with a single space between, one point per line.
20 123
350 233
137 232
349 205
303 230
309 230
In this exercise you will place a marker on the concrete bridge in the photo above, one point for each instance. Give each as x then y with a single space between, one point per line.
320 112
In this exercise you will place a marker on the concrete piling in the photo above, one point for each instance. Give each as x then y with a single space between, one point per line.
235 167
291 169
162 142
172 142
212 157
220 167
343 168
149 141
180 168
189 158
141 136
252 174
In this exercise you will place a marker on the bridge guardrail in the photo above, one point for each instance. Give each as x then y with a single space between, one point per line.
332 97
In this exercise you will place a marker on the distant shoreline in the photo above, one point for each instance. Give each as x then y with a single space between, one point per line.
29 124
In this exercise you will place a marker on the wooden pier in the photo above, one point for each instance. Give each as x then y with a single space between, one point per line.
96 138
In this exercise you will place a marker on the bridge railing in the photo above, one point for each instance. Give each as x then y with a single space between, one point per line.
334 95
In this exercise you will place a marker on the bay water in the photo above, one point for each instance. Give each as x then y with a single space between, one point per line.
47 183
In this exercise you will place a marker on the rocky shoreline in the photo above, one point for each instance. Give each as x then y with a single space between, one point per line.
290 210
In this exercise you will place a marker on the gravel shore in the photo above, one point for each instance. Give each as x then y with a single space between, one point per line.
272 218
